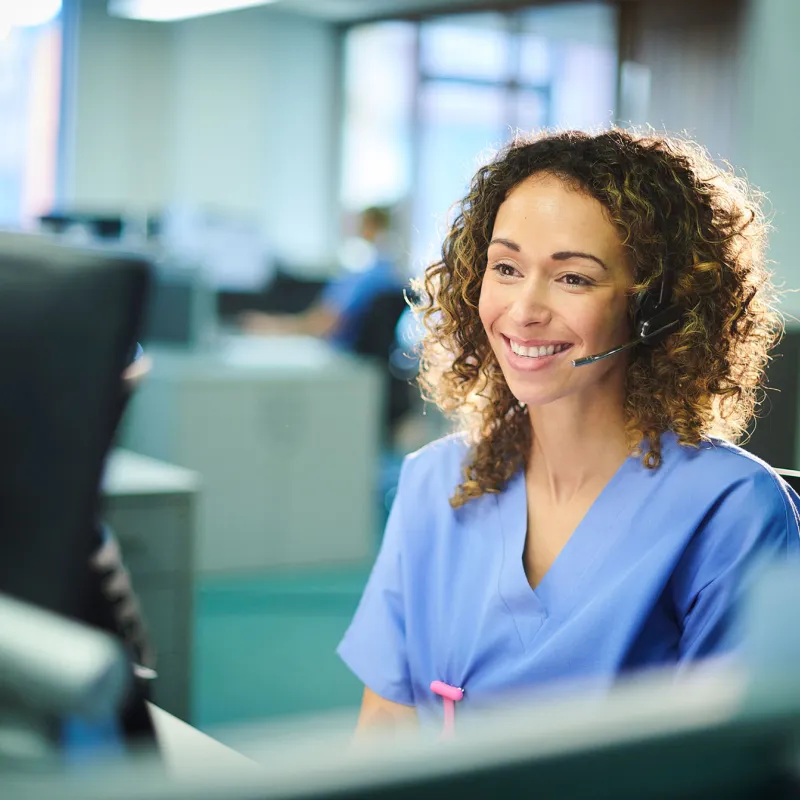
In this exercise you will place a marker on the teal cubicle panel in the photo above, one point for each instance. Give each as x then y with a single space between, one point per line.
265 646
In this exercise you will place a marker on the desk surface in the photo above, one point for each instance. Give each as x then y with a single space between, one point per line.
129 473
236 357
642 718
187 751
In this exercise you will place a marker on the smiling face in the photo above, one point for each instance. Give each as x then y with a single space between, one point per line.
555 290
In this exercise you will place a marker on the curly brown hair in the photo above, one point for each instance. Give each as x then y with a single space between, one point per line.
671 205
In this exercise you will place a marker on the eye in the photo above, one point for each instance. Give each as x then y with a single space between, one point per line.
573 279
505 270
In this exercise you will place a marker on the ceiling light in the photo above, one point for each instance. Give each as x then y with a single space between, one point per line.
174 10
29 14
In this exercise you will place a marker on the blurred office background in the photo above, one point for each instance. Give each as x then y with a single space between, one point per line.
253 476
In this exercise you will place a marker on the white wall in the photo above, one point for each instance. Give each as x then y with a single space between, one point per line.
234 112
302 150
221 66
122 116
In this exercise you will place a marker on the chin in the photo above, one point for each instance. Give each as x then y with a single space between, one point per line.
536 397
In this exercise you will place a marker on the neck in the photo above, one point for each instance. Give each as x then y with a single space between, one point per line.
577 445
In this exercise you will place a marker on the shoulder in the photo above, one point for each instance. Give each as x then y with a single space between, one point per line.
428 534
429 479
437 467
719 473
720 462
339 286
741 516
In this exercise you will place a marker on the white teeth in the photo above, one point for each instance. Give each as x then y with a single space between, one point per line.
537 352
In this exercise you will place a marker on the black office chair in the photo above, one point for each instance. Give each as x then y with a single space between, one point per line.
68 320
792 477
376 331
376 340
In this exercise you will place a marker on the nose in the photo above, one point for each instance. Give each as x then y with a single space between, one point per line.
530 305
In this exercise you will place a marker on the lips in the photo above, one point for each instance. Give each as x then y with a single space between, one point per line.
535 348
534 356
540 350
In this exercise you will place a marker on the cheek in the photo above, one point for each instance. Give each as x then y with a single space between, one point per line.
602 324
620 320
487 306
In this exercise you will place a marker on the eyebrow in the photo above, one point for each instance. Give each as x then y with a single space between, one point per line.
506 243
566 255
562 255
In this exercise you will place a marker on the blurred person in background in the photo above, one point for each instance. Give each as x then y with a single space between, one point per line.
593 519
339 313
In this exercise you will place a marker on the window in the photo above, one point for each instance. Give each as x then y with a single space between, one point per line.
426 100
457 121
30 82
467 46
379 95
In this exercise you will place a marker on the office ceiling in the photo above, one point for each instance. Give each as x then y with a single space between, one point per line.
354 10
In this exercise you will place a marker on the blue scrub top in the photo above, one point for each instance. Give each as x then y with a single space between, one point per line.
650 577
350 296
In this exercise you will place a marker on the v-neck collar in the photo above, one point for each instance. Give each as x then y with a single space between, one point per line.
590 540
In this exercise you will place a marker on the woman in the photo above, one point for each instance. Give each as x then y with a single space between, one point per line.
591 517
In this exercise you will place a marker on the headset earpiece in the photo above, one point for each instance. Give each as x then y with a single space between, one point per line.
656 327
655 317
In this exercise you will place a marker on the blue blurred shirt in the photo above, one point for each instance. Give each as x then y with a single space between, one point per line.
350 297
83 741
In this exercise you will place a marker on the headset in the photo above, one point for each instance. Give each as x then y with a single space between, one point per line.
655 316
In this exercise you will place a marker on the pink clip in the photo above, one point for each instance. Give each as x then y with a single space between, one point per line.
450 696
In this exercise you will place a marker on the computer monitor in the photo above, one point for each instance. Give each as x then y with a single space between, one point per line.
654 738
724 728
181 313
68 319
53 669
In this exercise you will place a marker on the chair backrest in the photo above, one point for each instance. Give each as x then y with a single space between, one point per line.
376 339
68 319
792 477
378 325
